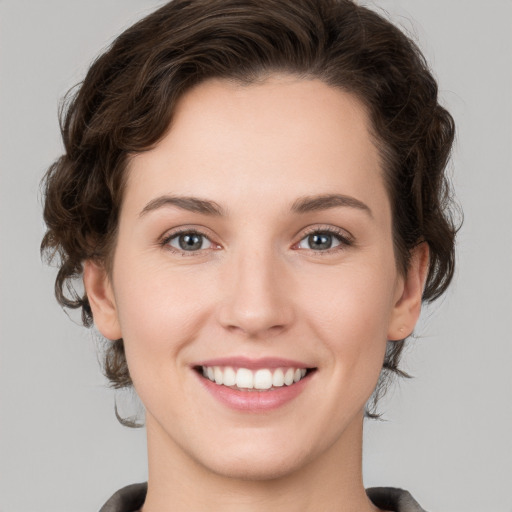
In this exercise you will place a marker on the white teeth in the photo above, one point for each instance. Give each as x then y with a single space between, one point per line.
244 378
288 376
263 379
217 372
229 376
278 378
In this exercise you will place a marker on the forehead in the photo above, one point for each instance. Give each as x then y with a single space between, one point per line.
281 138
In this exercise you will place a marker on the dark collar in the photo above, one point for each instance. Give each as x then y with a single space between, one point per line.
131 499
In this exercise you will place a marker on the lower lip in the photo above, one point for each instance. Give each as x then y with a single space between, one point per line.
254 401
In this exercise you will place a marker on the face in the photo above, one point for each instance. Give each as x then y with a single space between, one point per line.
254 280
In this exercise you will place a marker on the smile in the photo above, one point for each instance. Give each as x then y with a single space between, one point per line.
262 379
254 385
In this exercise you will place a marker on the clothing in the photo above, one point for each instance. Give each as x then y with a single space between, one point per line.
391 498
128 499
131 499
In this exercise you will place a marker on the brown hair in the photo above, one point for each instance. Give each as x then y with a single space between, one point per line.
126 102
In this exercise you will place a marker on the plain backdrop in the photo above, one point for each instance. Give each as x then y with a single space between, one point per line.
448 432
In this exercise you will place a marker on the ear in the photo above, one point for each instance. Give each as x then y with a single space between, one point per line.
101 299
406 310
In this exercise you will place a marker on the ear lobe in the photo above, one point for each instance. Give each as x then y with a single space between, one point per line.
101 299
407 307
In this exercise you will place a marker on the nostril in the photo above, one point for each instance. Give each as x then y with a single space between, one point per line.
255 330
255 312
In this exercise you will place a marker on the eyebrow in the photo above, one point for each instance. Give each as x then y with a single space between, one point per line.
302 205
192 204
325 201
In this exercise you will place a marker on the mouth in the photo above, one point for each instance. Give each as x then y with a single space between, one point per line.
251 385
255 380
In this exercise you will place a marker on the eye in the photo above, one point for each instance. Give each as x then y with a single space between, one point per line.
323 240
190 241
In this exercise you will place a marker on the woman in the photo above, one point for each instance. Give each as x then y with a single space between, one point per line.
254 194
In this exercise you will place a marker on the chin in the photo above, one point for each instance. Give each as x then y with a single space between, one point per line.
251 460
261 468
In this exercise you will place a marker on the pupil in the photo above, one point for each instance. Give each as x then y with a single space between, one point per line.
320 241
190 242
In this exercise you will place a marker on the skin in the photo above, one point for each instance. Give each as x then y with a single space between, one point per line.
256 288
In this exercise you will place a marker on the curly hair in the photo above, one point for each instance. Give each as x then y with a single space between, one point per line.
126 102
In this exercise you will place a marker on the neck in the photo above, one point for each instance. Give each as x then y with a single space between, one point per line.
331 482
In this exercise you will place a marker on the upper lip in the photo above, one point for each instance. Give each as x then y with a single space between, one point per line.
253 364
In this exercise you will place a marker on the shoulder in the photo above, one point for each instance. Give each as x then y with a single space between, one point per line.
131 498
393 499
128 499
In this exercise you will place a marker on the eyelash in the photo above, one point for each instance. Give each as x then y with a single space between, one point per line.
165 242
343 238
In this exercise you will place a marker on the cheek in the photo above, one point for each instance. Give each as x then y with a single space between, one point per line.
350 313
352 299
159 312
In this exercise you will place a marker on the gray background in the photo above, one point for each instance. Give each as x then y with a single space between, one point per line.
447 437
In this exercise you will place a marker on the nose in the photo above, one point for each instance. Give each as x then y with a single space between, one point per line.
257 300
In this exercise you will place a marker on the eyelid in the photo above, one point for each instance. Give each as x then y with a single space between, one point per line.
174 232
346 239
